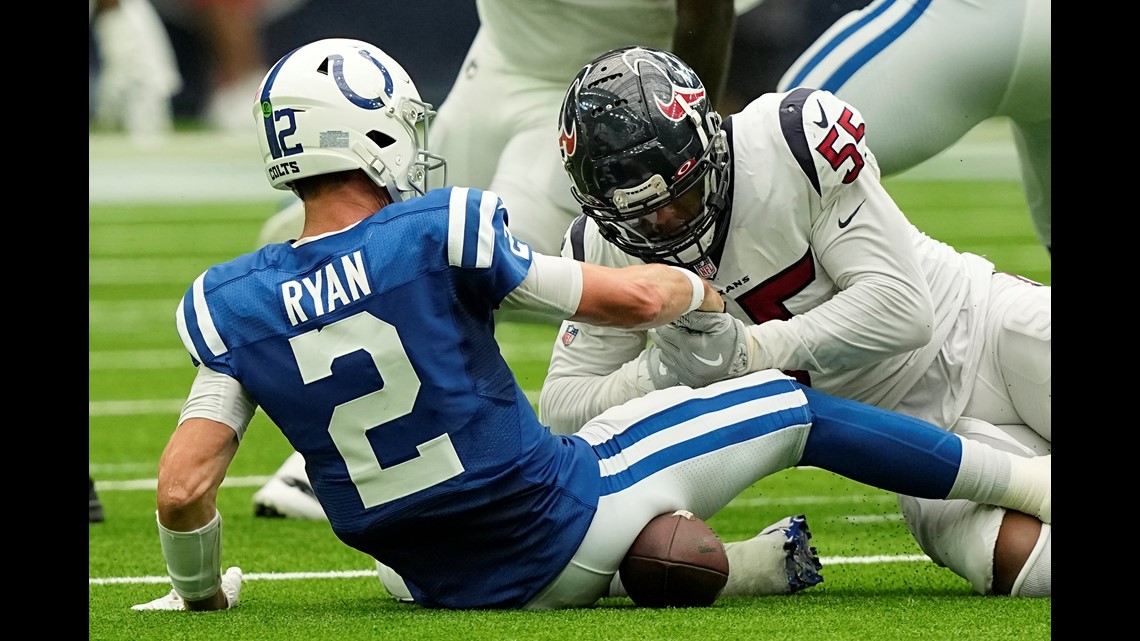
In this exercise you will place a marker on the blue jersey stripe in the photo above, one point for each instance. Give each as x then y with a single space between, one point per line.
719 438
210 333
888 35
793 412
267 120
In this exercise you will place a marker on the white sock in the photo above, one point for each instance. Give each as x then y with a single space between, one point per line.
757 566
992 476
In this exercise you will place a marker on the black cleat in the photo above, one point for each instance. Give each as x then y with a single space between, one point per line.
95 506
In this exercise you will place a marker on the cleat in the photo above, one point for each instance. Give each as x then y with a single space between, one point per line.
802 563
288 497
94 505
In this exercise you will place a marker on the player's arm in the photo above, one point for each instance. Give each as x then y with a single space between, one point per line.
631 297
703 39
884 306
189 474
868 248
190 471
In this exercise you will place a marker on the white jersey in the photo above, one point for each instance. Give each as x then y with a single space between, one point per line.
838 287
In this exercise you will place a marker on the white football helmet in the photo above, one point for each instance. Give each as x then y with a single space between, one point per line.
339 104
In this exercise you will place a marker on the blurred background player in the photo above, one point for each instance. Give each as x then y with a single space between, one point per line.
923 73
781 208
94 505
230 38
137 74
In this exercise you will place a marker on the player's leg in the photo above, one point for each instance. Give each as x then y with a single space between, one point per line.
998 551
288 493
681 448
896 452
1028 103
1034 142
94 505
921 74
1014 382
534 186
475 119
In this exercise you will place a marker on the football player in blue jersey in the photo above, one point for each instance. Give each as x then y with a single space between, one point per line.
369 342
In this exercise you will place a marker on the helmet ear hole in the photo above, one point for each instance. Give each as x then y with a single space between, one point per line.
381 139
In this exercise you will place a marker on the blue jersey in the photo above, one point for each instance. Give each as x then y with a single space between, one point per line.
373 351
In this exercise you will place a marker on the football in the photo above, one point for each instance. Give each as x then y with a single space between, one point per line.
676 562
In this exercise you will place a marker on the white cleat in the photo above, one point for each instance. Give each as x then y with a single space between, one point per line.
288 497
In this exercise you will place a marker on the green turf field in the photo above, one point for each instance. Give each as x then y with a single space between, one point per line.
302 583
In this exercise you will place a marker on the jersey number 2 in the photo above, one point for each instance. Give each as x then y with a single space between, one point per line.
315 352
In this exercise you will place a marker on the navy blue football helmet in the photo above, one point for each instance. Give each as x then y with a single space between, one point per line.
647 156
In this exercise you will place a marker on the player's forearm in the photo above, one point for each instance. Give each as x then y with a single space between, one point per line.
857 327
641 296
568 402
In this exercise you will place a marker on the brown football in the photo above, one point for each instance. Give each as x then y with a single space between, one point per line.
677 561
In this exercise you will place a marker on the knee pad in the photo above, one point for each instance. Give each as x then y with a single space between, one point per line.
1035 578
1024 352
956 534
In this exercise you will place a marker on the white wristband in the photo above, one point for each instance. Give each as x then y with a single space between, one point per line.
698 298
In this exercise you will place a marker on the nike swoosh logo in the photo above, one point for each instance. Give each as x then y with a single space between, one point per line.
718 361
844 223
822 122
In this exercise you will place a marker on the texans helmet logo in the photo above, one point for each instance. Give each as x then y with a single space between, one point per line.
689 92
567 129
672 108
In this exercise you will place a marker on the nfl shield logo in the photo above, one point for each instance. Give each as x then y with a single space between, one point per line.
569 334
706 268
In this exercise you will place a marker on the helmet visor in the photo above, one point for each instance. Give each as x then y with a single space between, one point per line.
669 221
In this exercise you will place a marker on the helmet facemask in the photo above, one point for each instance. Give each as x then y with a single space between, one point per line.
647 157
632 219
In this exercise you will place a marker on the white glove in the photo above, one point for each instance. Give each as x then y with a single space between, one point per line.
700 348
137 70
231 587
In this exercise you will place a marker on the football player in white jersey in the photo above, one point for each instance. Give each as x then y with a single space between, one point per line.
369 342
925 72
780 206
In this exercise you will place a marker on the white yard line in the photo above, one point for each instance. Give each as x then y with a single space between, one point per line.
356 574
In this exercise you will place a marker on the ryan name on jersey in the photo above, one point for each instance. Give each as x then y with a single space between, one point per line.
339 282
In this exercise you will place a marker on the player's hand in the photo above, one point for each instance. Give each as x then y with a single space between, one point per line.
700 348
660 375
231 588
